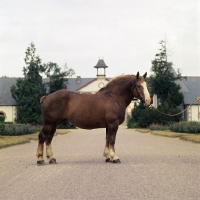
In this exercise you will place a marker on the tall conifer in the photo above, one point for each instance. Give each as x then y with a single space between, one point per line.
30 89
162 83
163 80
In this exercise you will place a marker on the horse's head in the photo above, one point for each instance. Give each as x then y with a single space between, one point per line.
140 90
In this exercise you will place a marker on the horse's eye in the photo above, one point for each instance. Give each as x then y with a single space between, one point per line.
139 86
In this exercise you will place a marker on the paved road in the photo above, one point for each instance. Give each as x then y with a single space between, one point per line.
152 167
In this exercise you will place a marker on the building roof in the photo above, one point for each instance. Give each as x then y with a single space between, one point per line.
190 88
100 64
74 85
6 98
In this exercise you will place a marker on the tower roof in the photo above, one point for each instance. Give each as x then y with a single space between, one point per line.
100 64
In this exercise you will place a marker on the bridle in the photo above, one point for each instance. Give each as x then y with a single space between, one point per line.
135 86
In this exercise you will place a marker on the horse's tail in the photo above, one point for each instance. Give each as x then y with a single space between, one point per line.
42 99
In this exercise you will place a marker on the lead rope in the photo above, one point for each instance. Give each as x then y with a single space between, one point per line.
152 107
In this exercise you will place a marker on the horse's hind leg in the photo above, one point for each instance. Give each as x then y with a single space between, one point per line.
39 153
42 137
106 149
112 131
49 152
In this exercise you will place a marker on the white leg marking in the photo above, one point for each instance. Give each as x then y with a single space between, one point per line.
113 155
39 156
39 152
106 153
49 152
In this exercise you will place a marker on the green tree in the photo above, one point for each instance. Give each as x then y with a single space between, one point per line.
163 79
57 76
162 83
28 90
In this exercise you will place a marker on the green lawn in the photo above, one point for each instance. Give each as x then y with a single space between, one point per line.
167 133
6 141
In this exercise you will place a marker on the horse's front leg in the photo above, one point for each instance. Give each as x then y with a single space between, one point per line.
112 131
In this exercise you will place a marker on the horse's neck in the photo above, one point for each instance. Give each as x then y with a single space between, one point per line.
122 93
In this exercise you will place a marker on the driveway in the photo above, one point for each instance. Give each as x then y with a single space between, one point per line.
152 167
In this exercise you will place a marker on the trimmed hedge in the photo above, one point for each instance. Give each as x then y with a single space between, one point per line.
158 127
11 129
18 129
185 127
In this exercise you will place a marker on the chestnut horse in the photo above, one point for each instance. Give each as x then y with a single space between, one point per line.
105 109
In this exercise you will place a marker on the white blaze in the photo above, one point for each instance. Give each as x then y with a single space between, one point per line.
146 93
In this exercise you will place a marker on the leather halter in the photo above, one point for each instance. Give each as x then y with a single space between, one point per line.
135 86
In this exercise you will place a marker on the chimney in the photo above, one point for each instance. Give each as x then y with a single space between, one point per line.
78 79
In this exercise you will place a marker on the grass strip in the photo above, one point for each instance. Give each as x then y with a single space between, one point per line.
167 133
6 141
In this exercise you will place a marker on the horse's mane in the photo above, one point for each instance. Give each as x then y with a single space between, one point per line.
120 78
117 80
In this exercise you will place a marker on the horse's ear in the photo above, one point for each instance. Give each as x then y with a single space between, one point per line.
138 75
145 75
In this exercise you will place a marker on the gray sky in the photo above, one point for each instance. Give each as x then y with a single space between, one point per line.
125 33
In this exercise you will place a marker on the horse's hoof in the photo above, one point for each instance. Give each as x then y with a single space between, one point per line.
40 162
108 160
117 161
53 161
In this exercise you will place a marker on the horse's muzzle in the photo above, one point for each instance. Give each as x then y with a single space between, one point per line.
145 102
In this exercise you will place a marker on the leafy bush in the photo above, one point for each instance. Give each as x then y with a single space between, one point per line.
144 116
66 126
2 126
6 122
132 125
18 129
186 127
158 127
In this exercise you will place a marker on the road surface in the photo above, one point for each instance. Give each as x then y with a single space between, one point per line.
152 167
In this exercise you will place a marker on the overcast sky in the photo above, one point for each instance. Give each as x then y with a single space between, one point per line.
125 33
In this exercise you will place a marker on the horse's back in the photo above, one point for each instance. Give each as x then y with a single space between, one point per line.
54 104
56 97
